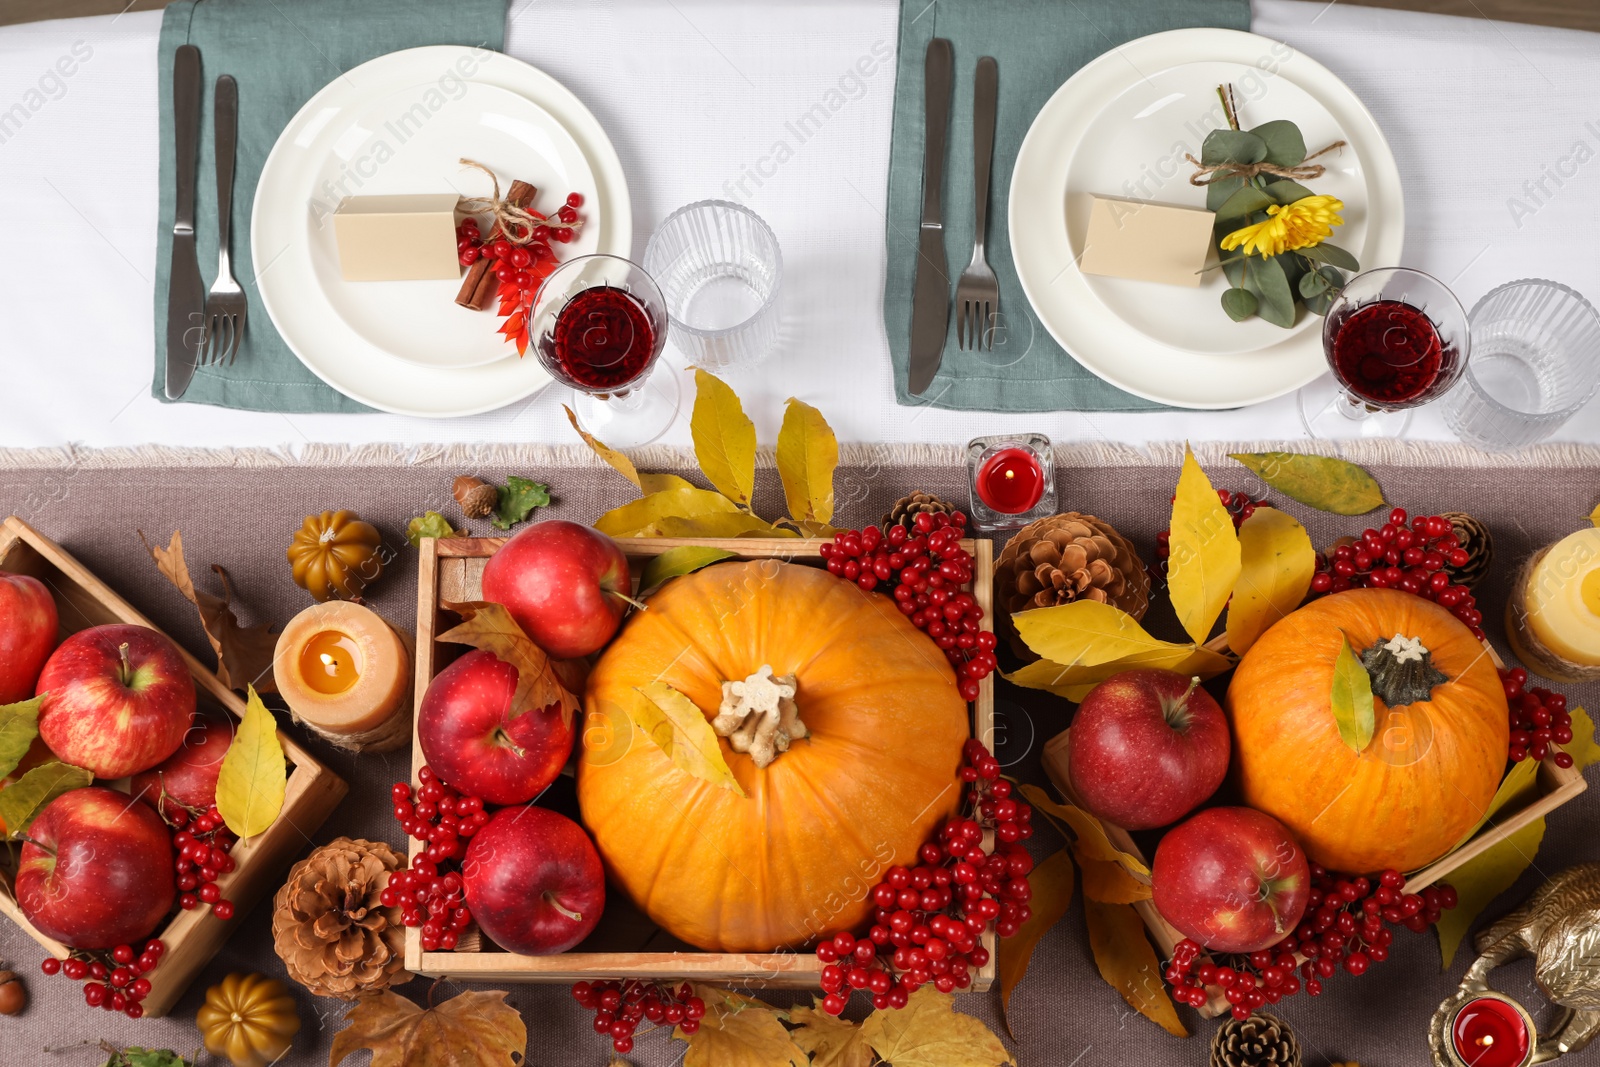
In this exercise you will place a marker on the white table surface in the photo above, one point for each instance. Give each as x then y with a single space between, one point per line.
1494 127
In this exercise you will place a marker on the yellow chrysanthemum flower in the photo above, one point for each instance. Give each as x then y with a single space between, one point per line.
1301 224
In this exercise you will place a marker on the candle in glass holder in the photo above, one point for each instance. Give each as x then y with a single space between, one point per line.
1012 480
346 674
1491 1031
1553 617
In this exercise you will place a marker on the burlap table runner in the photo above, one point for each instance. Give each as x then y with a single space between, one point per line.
239 509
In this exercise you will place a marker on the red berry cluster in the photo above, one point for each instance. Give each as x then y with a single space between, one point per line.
619 1007
924 569
427 896
1343 926
1410 558
1539 719
1240 506
117 979
928 919
203 844
520 266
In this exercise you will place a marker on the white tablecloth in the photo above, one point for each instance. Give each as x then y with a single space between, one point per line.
1494 126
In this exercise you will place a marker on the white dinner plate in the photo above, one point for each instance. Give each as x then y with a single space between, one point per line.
1120 127
400 123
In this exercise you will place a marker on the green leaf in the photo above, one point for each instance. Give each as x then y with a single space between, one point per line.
19 725
1218 191
676 562
1232 146
1234 269
431 524
1265 278
518 498
253 777
1247 200
1240 304
1284 191
1313 283
146 1057
1332 255
1322 482
1353 711
1285 145
1481 879
24 799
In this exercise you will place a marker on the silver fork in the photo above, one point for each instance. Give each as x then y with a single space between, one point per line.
226 305
977 290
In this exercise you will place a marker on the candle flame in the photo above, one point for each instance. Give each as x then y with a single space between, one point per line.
327 660
1486 1040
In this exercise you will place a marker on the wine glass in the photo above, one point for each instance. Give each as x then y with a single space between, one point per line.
598 324
1395 339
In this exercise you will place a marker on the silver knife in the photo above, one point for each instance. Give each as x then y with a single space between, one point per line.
186 293
930 298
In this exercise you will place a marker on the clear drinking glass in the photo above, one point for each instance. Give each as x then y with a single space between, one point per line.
719 268
598 324
1535 362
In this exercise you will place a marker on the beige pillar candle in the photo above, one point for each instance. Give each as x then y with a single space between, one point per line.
1554 615
346 674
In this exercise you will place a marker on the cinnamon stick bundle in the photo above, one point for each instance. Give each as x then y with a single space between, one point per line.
479 285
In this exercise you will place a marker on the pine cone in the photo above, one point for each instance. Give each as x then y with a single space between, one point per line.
1262 1040
907 508
1474 537
1064 558
477 498
328 925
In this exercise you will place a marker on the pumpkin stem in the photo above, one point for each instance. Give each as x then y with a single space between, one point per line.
758 716
1402 671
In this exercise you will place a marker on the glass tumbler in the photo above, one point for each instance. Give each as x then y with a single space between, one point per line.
719 268
1535 362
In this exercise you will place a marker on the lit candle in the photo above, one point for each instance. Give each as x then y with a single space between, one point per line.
1011 481
346 674
1560 613
1491 1031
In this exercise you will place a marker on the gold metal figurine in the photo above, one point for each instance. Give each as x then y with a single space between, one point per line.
1559 926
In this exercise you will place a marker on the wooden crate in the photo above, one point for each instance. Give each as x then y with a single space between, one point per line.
192 937
1554 787
452 570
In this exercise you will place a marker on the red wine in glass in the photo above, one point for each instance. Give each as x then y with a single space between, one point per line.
603 338
1389 353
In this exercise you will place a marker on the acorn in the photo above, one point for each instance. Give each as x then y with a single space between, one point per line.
476 497
13 994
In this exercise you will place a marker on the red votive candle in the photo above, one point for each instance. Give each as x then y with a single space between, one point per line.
1491 1032
1011 481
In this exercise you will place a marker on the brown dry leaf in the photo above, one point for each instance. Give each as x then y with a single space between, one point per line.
929 1032
619 462
738 1031
1051 882
476 1029
1128 963
491 628
244 653
832 1042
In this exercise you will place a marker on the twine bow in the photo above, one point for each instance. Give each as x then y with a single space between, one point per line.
516 224
1208 173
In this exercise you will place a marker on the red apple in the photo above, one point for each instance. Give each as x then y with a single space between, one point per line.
187 779
118 700
27 634
1147 747
1233 879
471 741
533 881
97 871
567 585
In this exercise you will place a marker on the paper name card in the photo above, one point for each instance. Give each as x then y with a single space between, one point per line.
409 237
1147 241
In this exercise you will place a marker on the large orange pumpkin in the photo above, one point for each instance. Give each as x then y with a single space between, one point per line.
1438 748
798 855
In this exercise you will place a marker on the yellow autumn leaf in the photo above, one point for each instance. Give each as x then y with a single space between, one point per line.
929 1032
1351 700
1582 748
1085 632
1052 882
658 483
1277 564
739 1031
640 518
1205 560
1481 879
721 524
680 729
808 452
619 462
1109 883
251 782
1073 683
724 438
1519 780
1126 961
677 562
832 1042
1092 841
1594 516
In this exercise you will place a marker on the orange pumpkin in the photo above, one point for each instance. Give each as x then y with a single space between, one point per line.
798 855
1438 747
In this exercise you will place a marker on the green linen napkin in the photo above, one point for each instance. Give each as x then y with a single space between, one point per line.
1039 44
282 52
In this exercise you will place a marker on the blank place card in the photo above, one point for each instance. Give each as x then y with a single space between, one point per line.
1147 241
